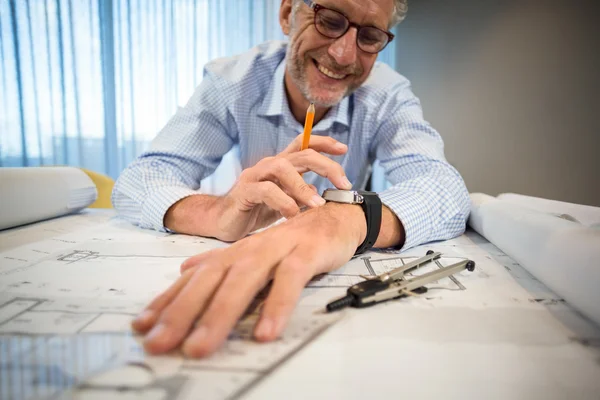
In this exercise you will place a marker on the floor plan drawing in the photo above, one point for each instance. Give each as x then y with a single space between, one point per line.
68 297
81 345
66 304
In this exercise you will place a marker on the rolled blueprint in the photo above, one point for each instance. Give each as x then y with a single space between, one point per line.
587 215
33 194
563 254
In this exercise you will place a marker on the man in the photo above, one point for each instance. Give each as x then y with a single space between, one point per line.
364 111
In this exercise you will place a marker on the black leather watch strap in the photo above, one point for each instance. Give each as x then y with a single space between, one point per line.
371 205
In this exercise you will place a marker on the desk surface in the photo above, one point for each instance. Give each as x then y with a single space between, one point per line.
70 286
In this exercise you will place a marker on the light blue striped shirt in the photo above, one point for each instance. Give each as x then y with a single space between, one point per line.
242 101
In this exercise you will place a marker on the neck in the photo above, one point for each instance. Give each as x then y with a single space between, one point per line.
298 104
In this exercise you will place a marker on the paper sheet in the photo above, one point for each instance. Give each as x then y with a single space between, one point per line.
77 292
564 255
67 299
36 193
586 215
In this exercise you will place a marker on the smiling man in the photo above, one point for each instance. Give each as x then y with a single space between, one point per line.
257 100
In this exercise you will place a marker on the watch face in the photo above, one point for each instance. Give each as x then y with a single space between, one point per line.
342 196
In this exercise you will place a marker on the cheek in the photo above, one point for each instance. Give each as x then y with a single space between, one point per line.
309 42
363 77
301 41
366 64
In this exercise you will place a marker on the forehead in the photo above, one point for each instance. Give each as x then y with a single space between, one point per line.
363 12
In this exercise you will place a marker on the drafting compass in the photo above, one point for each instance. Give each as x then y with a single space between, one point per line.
394 283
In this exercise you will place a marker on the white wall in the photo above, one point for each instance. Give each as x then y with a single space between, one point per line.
513 86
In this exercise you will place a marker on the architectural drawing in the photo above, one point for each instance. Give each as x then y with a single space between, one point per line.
84 345
66 304
67 300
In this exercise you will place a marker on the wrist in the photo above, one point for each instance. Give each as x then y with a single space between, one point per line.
392 232
193 215
371 206
351 218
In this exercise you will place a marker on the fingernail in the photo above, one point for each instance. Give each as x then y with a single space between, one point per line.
196 338
316 201
264 328
145 317
346 183
158 333
340 146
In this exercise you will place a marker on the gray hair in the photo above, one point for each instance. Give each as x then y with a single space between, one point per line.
400 10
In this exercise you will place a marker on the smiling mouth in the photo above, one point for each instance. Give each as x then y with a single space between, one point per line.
329 73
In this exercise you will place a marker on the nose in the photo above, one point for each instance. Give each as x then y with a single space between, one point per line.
343 49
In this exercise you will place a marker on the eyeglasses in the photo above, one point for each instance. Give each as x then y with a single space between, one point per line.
333 24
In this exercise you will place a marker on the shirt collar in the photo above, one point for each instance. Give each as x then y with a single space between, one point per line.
275 103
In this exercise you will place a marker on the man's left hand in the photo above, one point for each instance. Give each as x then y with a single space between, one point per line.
216 287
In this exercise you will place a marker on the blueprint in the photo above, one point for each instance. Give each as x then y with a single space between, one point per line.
69 289
37 193
545 244
67 301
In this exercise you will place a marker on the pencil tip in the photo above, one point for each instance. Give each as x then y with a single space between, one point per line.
311 107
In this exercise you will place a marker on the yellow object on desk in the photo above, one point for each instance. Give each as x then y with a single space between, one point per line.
104 185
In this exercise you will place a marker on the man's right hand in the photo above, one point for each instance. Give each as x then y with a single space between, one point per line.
271 189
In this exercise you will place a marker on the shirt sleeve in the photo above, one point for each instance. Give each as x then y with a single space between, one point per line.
188 149
428 195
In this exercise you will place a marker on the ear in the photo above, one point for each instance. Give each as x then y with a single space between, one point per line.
285 16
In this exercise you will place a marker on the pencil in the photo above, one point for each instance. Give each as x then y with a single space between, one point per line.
308 123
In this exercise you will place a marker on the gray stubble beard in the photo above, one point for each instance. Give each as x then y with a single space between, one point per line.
295 68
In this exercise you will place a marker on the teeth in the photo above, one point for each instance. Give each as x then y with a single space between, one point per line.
329 73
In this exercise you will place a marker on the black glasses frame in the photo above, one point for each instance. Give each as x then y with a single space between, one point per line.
317 7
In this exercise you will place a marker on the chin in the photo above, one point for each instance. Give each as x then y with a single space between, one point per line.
325 103
325 99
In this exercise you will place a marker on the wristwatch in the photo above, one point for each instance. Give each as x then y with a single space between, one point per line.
371 205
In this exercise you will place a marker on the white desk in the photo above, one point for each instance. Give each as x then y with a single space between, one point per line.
69 287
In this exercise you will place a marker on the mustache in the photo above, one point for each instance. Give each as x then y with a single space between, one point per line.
328 62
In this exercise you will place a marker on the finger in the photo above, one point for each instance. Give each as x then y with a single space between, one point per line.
196 260
310 160
322 144
147 318
315 190
250 174
290 279
282 170
179 315
244 280
270 194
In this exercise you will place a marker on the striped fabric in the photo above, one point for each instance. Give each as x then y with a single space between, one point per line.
241 101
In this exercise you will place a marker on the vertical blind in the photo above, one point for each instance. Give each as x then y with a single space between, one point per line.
89 83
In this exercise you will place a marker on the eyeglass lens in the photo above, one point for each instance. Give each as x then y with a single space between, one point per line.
333 24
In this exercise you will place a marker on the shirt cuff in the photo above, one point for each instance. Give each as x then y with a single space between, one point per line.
408 207
159 202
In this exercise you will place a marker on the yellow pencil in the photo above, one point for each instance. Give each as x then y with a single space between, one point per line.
308 123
